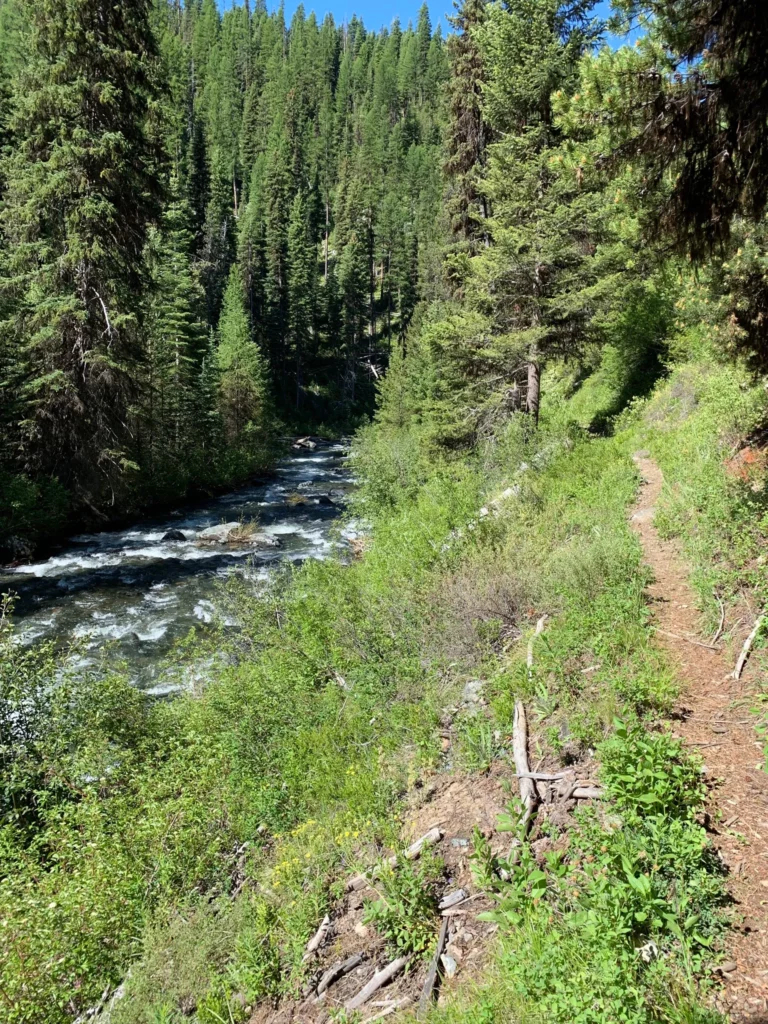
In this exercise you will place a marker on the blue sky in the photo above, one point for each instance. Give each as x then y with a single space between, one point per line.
376 13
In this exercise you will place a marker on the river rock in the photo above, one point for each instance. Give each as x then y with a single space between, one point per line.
233 533
16 549
265 540
323 499
217 534
174 535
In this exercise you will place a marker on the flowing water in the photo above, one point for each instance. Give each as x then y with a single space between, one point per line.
141 592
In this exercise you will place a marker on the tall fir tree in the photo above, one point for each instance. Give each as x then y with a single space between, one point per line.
241 372
81 192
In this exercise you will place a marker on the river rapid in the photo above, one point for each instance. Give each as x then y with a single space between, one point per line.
139 592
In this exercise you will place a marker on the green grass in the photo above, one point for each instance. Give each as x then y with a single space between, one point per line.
123 841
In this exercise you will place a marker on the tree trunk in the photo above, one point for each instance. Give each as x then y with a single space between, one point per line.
327 223
533 394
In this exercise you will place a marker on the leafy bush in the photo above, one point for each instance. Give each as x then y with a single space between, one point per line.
407 905
650 774
30 509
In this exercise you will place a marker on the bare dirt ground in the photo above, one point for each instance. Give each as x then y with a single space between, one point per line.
713 716
454 804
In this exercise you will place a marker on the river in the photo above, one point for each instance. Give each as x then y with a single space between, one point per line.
140 592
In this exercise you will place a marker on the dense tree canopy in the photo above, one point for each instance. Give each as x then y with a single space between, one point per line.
151 149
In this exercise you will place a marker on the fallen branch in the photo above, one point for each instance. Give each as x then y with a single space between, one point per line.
537 632
380 978
687 639
544 776
398 1004
587 793
721 623
458 908
356 883
520 753
338 970
748 646
452 899
317 938
431 979
431 838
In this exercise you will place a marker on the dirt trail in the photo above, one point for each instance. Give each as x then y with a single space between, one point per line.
713 717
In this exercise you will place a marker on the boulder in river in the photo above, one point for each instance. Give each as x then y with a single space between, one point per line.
221 534
304 442
242 534
16 549
174 535
323 499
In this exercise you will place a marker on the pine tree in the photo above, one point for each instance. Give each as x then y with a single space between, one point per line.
242 374
176 342
302 277
468 133
81 192
539 229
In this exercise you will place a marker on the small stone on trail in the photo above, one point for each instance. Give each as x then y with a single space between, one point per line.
461 843
728 966
445 743
449 965
361 930
453 950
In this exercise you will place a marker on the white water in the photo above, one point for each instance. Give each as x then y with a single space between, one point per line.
140 593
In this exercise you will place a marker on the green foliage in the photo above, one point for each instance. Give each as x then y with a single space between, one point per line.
612 927
405 912
79 194
303 159
31 509
651 775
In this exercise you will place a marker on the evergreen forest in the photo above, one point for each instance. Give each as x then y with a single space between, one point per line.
492 746
213 230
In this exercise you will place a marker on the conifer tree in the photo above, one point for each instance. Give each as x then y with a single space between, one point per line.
302 276
468 133
241 371
176 341
539 226
81 191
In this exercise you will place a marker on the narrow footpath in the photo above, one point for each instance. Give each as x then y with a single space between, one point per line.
713 717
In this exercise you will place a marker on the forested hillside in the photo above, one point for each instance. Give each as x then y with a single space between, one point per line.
529 265
211 224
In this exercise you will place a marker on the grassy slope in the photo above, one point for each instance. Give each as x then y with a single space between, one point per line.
327 709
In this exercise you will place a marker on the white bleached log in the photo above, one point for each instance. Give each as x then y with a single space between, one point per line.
379 979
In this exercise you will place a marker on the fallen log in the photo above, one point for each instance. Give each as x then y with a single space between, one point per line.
528 793
357 883
748 646
431 838
452 899
458 908
380 978
587 793
317 938
544 776
431 980
338 970
397 1004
